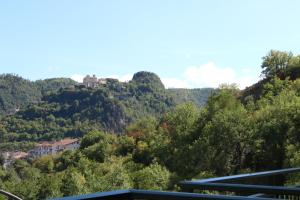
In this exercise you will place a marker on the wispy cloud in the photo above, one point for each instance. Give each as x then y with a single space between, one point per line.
210 75
175 83
77 77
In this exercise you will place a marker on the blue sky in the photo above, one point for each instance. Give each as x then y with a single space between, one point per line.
191 43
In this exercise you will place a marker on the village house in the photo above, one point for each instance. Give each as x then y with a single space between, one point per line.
53 147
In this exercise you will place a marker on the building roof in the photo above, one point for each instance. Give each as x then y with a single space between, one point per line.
14 154
63 142
19 155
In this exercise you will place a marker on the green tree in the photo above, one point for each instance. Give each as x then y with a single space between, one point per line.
73 182
153 177
44 163
178 132
110 175
276 63
50 185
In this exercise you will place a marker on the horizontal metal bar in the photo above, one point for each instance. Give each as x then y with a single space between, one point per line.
254 189
258 195
9 195
155 195
265 195
247 176
117 195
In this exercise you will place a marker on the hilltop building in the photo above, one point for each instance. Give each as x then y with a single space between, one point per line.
53 147
93 81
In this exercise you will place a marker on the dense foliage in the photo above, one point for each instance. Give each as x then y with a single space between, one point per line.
197 96
225 136
16 92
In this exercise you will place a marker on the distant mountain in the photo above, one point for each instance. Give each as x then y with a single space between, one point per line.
56 108
17 92
50 85
112 105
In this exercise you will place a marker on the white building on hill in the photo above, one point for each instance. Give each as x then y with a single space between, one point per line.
93 81
53 147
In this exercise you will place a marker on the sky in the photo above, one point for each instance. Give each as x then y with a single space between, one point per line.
190 43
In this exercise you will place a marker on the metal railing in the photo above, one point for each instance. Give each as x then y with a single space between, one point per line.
253 186
9 195
153 195
260 184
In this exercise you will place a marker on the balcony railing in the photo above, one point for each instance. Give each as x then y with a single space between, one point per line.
9 195
153 195
260 184
252 186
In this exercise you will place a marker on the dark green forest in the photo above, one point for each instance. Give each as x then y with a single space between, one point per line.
17 92
139 135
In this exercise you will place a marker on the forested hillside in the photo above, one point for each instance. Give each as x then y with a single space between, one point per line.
17 92
197 96
62 109
230 134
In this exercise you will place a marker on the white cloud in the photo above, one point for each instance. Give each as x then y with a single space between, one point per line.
77 77
210 75
174 83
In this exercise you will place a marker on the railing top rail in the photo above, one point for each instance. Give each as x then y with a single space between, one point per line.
9 195
254 189
245 176
155 195
98 195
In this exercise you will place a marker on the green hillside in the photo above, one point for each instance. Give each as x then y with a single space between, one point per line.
197 96
61 109
17 92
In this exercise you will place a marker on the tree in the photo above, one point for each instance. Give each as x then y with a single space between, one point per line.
277 124
44 163
91 138
73 182
50 185
179 130
276 63
110 175
153 177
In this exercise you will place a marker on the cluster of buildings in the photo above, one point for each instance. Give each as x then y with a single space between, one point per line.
93 81
41 149
54 147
